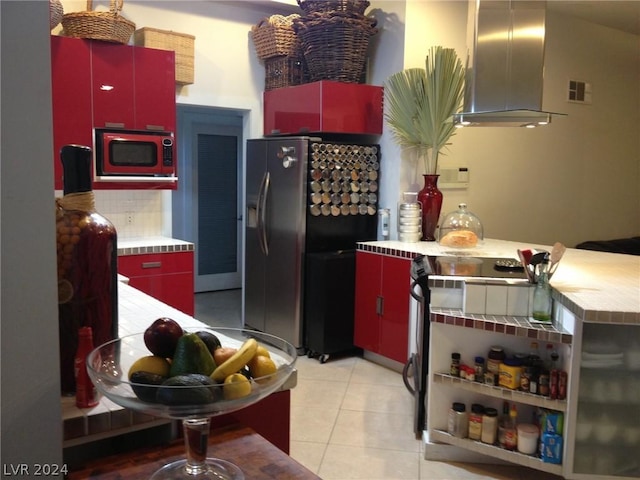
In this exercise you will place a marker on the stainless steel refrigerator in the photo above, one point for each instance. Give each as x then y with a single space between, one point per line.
308 201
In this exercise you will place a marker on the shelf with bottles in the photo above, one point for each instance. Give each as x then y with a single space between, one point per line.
496 452
500 392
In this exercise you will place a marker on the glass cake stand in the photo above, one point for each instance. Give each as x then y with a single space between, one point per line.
108 366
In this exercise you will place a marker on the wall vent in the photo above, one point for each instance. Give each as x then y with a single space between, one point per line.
579 92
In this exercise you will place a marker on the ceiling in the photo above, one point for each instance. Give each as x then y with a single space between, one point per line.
619 14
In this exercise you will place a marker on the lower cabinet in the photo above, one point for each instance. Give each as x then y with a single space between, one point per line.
165 276
381 319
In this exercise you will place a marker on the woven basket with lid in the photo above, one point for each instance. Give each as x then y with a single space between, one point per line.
108 26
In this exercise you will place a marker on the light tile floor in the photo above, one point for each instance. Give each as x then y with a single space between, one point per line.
352 419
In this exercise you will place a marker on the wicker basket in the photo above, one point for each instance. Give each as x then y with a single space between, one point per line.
275 37
56 11
328 6
335 45
180 43
284 71
109 26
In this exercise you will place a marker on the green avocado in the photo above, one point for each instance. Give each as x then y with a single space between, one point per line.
190 389
191 356
140 379
210 340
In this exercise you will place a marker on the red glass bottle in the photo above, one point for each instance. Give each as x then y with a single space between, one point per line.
86 394
87 264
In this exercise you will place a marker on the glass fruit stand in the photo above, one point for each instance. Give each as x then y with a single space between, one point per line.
109 364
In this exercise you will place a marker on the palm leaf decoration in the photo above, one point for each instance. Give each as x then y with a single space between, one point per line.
420 102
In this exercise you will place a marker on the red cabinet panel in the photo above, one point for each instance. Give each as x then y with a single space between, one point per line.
154 89
381 323
165 276
324 107
112 84
71 99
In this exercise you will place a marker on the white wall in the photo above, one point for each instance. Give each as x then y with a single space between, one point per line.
574 180
31 413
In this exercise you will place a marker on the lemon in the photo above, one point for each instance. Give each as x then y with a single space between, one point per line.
235 386
151 364
261 366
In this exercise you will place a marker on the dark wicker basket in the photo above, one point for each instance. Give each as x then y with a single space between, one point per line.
335 45
284 71
329 6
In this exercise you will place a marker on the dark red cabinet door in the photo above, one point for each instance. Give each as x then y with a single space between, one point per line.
112 85
366 328
71 97
155 107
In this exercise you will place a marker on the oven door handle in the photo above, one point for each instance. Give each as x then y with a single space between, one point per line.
417 296
405 374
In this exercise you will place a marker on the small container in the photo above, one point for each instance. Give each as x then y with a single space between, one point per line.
458 424
478 368
454 371
528 435
384 218
494 359
510 372
491 378
475 421
543 384
525 379
489 426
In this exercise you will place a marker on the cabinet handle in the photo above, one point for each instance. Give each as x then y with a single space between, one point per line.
157 128
380 305
114 124
151 264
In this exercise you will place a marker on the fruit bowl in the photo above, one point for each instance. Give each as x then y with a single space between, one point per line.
108 366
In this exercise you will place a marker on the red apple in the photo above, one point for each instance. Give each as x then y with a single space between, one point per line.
162 337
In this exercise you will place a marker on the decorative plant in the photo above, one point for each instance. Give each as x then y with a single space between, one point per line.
420 104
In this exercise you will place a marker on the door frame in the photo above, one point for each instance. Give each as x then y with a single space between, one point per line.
182 204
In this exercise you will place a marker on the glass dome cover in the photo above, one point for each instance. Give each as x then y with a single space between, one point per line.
460 228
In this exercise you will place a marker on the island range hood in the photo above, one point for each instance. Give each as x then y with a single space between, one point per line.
505 69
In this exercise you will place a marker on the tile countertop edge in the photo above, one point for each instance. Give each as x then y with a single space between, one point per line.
597 287
158 244
136 311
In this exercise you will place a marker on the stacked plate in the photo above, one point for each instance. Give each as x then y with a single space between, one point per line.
410 219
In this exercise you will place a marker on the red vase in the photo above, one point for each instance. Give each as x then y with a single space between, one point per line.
431 200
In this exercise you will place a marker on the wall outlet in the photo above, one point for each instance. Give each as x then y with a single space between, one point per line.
456 177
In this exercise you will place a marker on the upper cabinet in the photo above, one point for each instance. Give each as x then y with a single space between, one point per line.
105 85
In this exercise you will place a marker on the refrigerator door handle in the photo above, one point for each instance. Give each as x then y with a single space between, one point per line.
261 212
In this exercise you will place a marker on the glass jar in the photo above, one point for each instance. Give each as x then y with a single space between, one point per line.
87 257
489 426
494 359
458 424
542 302
475 421
460 229
455 365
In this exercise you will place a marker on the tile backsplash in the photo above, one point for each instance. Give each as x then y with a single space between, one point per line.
135 213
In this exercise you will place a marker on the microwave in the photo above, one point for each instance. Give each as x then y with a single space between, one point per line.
134 156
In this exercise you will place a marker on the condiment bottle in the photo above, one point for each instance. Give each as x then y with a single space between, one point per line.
511 432
87 264
475 421
86 394
455 365
458 424
542 303
489 426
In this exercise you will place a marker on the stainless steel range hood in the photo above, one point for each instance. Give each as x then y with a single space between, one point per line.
505 70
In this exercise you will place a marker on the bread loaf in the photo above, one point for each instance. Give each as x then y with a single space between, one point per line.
460 239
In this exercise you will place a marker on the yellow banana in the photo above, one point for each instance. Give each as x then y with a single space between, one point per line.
238 360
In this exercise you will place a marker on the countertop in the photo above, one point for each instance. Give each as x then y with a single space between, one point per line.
257 458
136 311
596 286
156 244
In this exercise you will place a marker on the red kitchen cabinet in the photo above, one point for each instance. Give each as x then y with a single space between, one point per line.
155 107
165 276
112 85
71 99
381 323
324 106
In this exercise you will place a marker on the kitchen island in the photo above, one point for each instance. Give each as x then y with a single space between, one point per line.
596 316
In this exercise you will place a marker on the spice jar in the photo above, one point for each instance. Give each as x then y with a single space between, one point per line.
455 365
494 359
489 426
479 369
475 421
458 424
87 264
